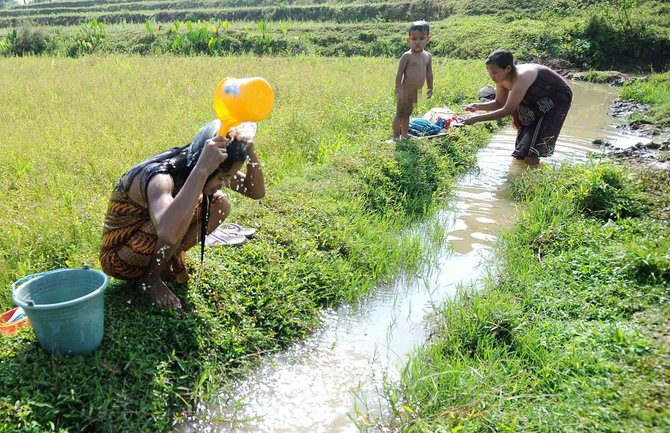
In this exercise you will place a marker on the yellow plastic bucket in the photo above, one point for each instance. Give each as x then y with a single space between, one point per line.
238 100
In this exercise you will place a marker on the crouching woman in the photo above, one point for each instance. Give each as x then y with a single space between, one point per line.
163 206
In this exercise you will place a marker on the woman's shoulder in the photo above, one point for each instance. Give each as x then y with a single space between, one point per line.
158 183
161 181
527 72
529 68
533 68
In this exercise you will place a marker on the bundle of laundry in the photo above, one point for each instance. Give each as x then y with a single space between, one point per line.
487 93
420 127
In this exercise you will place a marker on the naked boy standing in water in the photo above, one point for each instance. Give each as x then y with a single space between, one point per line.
415 68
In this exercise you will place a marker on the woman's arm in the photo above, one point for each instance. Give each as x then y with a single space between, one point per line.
172 215
251 183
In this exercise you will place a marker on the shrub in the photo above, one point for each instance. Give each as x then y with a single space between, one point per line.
29 41
607 192
89 37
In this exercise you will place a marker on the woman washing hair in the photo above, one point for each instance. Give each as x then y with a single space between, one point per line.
535 96
163 206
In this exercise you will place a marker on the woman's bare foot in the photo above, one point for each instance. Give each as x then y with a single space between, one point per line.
180 277
532 160
158 292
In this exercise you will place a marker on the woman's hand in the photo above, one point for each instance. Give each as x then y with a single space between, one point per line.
472 107
470 120
214 152
251 147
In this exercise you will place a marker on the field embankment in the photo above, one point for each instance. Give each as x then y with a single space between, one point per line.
579 34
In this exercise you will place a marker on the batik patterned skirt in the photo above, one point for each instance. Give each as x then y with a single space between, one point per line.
129 240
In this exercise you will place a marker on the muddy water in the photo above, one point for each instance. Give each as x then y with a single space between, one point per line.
318 385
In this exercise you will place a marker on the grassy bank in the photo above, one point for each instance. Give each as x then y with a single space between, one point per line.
655 92
330 228
570 331
570 334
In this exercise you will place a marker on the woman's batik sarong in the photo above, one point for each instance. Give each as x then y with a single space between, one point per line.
129 240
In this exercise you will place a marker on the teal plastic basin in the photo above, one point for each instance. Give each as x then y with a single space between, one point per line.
65 308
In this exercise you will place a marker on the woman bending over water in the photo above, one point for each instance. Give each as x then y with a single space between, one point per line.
535 96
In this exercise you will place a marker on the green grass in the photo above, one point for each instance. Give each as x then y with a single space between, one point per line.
655 92
330 228
596 77
571 332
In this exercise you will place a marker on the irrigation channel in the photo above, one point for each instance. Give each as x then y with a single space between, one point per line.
317 385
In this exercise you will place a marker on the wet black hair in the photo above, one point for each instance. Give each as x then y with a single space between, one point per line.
501 58
419 26
172 161
237 151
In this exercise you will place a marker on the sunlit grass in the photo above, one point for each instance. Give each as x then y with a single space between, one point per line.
568 333
654 91
72 127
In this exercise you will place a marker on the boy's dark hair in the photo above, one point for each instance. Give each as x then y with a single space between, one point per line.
419 26
501 58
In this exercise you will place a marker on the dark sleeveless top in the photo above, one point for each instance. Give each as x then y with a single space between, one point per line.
547 91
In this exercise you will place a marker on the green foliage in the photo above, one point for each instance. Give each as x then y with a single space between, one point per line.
603 191
264 44
88 38
586 34
607 192
7 42
27 41
596 77
621 33
214 38
568 333
654 91
412 180
150 26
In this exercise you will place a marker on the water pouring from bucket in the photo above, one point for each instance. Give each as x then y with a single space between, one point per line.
238 100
